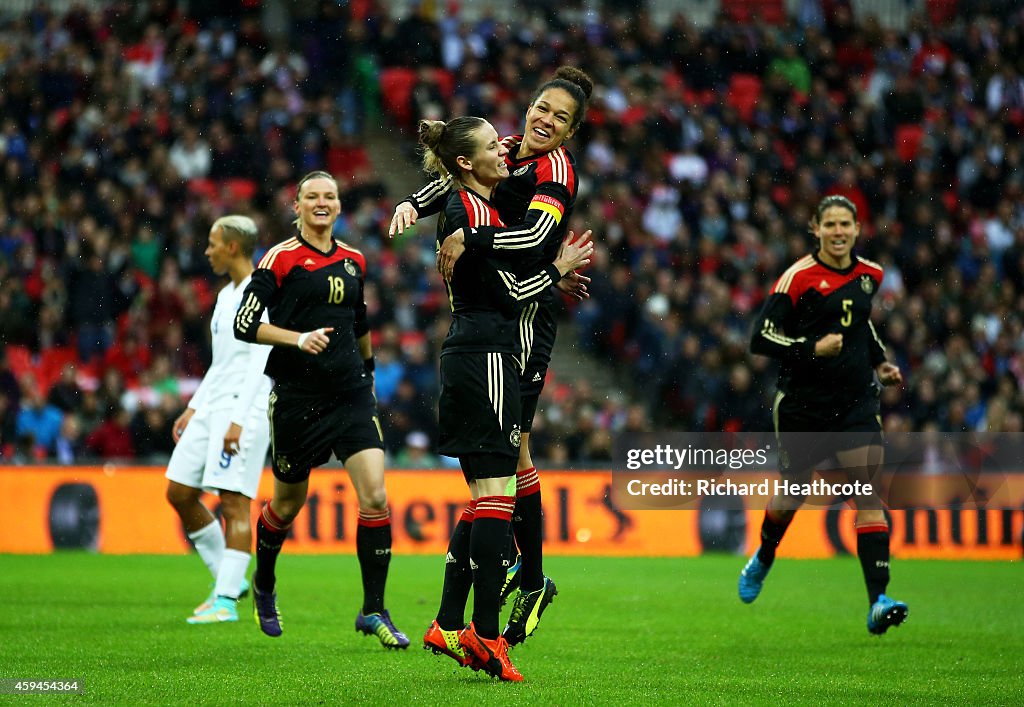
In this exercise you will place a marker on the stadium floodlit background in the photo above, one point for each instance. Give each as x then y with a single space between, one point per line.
127 127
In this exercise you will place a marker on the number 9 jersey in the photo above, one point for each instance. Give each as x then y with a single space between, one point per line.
305 289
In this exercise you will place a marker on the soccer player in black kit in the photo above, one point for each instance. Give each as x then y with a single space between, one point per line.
538 196
480 406
816 321
322 400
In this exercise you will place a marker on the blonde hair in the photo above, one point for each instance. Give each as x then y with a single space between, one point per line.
240 229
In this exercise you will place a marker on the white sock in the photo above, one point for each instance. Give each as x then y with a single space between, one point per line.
209 542
232 571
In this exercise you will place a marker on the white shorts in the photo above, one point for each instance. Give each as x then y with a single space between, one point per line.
199 460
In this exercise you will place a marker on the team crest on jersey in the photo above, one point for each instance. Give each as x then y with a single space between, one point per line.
867 284
516 437
283 464
521 171
350 268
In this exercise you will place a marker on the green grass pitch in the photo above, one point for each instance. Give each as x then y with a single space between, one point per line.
621 631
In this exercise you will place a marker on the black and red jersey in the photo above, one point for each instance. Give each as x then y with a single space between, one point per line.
305 289
535 204
809 301
485 295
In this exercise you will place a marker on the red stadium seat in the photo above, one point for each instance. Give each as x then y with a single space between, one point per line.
19 358
744 94
445 82
346 162
49 365
771 11
908 140
239 189
205 188
941 12
396 86
408 340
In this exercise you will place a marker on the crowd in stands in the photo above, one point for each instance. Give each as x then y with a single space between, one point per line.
126 130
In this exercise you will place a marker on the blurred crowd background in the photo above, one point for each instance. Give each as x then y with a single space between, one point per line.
126 128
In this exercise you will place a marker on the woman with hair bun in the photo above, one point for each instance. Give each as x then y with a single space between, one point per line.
538 196
479 410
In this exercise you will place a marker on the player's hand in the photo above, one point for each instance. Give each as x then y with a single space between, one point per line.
828 346
889 374
231 439
574 253
451 250
405 216
313 342
574 285
178 428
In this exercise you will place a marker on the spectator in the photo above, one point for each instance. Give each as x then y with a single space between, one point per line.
190 156
65 394
93 109
112 439
95 301
37 418
68 445
416 452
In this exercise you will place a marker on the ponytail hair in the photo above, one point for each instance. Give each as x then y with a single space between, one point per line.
443 143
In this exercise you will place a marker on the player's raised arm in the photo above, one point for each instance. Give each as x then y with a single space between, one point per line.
428 201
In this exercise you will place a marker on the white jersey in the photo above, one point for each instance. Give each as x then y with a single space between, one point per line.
236 379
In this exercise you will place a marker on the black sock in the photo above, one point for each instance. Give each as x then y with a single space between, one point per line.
488 543
373 548
271 532
771 535
458 577
528 525
873 551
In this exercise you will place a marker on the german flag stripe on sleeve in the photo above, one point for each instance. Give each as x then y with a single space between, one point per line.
545 203
561 171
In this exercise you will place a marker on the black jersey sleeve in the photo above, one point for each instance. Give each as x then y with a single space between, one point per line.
876 349
258 293
514 293
360 326
431 198
547 209
768 337
453 217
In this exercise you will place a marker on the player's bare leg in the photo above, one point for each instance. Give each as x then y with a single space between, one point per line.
230 579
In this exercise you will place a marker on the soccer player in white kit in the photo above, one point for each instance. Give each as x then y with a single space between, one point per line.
223 435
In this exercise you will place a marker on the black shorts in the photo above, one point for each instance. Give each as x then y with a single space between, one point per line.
810 434
536 332
306 427
479 408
